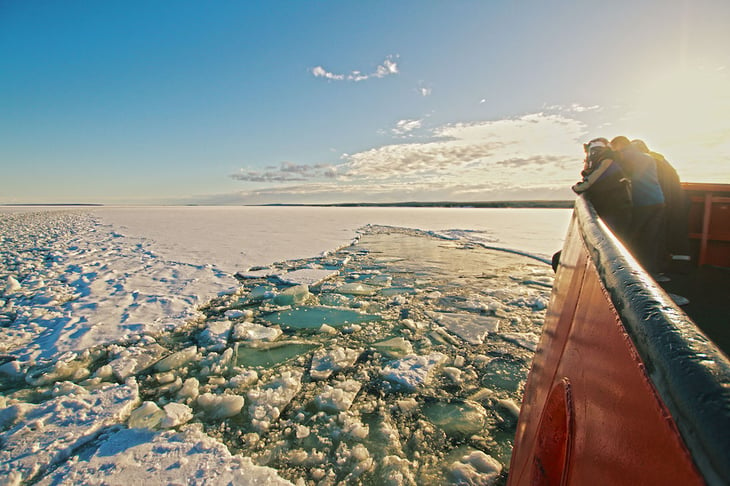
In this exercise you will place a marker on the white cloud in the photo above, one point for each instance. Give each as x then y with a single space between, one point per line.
532 156
405 127
287 172
387 68
538 138
319 72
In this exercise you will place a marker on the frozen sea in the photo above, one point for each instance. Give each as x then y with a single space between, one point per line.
257 345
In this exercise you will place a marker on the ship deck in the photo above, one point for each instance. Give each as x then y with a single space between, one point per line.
708 290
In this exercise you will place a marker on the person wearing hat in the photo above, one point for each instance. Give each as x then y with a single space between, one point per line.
606 186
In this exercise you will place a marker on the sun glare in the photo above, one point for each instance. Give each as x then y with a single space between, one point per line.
686 116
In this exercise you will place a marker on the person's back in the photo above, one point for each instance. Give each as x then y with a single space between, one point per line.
642 170
674 200
647 219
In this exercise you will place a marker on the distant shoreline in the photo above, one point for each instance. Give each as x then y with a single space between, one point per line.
48 204
557 204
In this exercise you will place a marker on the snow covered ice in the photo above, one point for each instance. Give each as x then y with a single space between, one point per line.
398 359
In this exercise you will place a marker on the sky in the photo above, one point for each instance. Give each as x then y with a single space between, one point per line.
259 102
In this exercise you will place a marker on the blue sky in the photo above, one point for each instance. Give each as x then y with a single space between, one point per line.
322 101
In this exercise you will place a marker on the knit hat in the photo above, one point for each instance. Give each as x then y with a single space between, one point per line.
596 143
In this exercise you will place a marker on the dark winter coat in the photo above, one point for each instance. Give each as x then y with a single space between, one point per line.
609 190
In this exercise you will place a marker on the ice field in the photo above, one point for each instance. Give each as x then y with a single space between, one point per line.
383 355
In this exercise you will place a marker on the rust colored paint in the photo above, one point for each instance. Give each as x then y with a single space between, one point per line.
607 425
551 463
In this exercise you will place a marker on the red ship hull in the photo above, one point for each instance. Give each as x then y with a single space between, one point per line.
624 388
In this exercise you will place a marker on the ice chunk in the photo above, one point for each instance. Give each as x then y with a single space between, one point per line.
259 293
353 428
334 300
12 285
412 371
307 276
53 430
379 280
356 289
268 401
314 317
397 471
68 367
527 340
339 397
220 406
396 347
475 468
270 354
453 374
256 273
215 335
504 373
397 291
190 389
326 362
536 302
146 457
510 406
238 314
177 360
248 331
470 327
130 361
176 414
243 380
292 295
146 416
460 419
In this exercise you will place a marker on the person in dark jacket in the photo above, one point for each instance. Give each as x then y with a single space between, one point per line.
676 208
606 187
648 203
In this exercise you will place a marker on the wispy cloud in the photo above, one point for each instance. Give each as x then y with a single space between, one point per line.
387 68
423 89
538 154
405 127
287 172
538 138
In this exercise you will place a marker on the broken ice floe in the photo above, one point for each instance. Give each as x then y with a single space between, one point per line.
151 457
410 374
45 435
413 371
472 329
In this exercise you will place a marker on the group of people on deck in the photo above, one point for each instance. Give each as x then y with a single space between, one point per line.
634 191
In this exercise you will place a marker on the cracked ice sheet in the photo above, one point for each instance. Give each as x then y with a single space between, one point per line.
81 284
306 276
472 328
141 456
528 340
48 433
413 371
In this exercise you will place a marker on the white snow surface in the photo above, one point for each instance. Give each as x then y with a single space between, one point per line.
44 435
142 456
234 239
